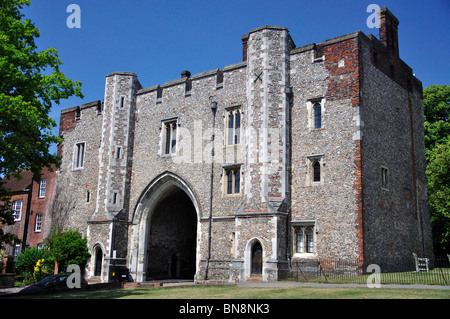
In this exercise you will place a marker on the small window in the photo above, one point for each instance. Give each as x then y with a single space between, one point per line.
233 180
122 102
384 178
315 111
42 187
88 196
78 113
118 151
16 250
304 239
114 198
169 137
316 171
79 155
38 223
233 119
17 210
317 115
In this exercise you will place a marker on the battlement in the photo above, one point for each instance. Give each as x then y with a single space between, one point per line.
71 116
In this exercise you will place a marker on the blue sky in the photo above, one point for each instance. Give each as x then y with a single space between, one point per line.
159 39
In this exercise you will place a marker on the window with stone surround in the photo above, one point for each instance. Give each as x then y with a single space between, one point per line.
78 160
315 174
169 136
232 180
316 109
304 238
233 116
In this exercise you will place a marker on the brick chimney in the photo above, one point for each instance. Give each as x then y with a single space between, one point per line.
389 30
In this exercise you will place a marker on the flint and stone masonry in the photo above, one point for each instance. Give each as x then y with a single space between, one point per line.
317 153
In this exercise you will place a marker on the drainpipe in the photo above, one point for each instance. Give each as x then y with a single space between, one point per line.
289 94
213 109
27 215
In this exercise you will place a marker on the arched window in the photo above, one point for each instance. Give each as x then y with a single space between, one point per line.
316 171
317 115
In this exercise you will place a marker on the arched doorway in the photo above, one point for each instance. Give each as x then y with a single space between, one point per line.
256 259
172 239
98 261
165 231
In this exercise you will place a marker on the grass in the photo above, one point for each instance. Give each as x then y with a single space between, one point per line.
234 292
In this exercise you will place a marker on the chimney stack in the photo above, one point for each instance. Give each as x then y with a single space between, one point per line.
389 30
185 74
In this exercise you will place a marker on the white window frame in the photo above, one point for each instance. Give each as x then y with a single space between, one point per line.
38 223
17 209
42 187
78 163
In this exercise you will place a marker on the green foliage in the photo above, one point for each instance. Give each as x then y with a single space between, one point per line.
438 172
67 248
30 82
436 100
27 260
436 103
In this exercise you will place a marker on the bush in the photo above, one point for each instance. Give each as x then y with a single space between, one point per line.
27 260
68 248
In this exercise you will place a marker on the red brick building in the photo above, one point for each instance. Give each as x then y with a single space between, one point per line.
31 204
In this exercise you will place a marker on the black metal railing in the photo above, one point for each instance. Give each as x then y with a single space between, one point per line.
357 271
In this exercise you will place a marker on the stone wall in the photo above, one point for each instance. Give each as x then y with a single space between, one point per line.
275 89
396 217
325 74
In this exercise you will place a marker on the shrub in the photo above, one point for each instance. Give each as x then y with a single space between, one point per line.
68 248
27 260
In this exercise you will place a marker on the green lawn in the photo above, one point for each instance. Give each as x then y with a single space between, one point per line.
234 292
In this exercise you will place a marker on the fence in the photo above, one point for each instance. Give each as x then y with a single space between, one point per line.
356 271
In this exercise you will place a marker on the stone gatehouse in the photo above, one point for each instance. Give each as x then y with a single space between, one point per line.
293 153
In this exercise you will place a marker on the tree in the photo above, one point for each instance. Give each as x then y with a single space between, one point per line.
30 83
436 102
68 247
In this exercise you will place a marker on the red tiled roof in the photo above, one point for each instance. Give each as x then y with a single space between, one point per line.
18 184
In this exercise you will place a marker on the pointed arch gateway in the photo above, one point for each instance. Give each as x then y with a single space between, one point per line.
165 231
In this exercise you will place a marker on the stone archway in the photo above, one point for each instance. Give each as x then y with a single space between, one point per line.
171 242
254 259
165 231
98 263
